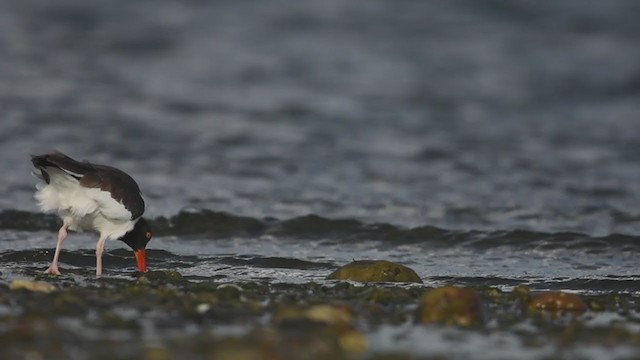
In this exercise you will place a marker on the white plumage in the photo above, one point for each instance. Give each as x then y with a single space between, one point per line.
81 208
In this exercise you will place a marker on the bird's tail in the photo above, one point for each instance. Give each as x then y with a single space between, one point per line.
60 161
40 163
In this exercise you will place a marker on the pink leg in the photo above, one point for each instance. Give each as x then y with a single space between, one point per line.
99 251
53 268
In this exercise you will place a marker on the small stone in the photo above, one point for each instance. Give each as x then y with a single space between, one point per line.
493 293
229 292
329 314
156 353
255 348
160 277
450 305
203 308
353 341
595 305
522 292
558 301
288 313
36 286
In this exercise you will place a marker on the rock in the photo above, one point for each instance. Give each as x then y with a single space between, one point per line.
207 222
379 295
254 347
36 286
375 271
558 301
70 302
450 305
522 293
595 305
334 323
353 341
229 292
330 314
158 277
335 315
285 313
156 353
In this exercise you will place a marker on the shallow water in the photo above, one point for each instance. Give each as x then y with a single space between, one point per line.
478 143
542 261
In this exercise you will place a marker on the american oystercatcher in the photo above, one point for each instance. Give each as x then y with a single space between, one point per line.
92 197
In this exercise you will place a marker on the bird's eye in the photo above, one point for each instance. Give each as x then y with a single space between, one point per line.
148 235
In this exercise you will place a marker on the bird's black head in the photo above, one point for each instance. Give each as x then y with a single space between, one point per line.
137 239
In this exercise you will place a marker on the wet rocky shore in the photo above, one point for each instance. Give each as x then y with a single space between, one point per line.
161 315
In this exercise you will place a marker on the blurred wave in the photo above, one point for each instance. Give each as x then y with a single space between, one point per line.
224 225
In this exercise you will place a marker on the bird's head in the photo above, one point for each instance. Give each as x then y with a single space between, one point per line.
137 239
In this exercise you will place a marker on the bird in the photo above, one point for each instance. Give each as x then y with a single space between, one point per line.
92 197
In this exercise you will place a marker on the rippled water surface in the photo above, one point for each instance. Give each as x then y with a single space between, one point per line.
480 143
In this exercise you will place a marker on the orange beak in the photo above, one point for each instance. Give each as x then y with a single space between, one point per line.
141 257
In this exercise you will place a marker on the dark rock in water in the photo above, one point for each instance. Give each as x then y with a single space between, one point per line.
450 305
207 221
316 226
375 271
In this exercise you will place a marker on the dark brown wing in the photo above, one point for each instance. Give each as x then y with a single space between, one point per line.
122 187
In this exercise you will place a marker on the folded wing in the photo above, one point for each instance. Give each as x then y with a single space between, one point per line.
115 194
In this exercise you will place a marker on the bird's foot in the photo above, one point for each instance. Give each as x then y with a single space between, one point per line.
52 270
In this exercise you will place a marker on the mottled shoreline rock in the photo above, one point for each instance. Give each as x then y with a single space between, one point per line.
35 286
450 305
558 301
375 271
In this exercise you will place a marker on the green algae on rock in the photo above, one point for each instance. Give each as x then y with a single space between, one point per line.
160 277
331 314
375 271
335 321
450 305
558 301
36 286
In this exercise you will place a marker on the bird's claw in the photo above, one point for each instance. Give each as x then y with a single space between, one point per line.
52 270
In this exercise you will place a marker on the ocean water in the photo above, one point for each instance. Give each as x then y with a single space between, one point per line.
480 143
